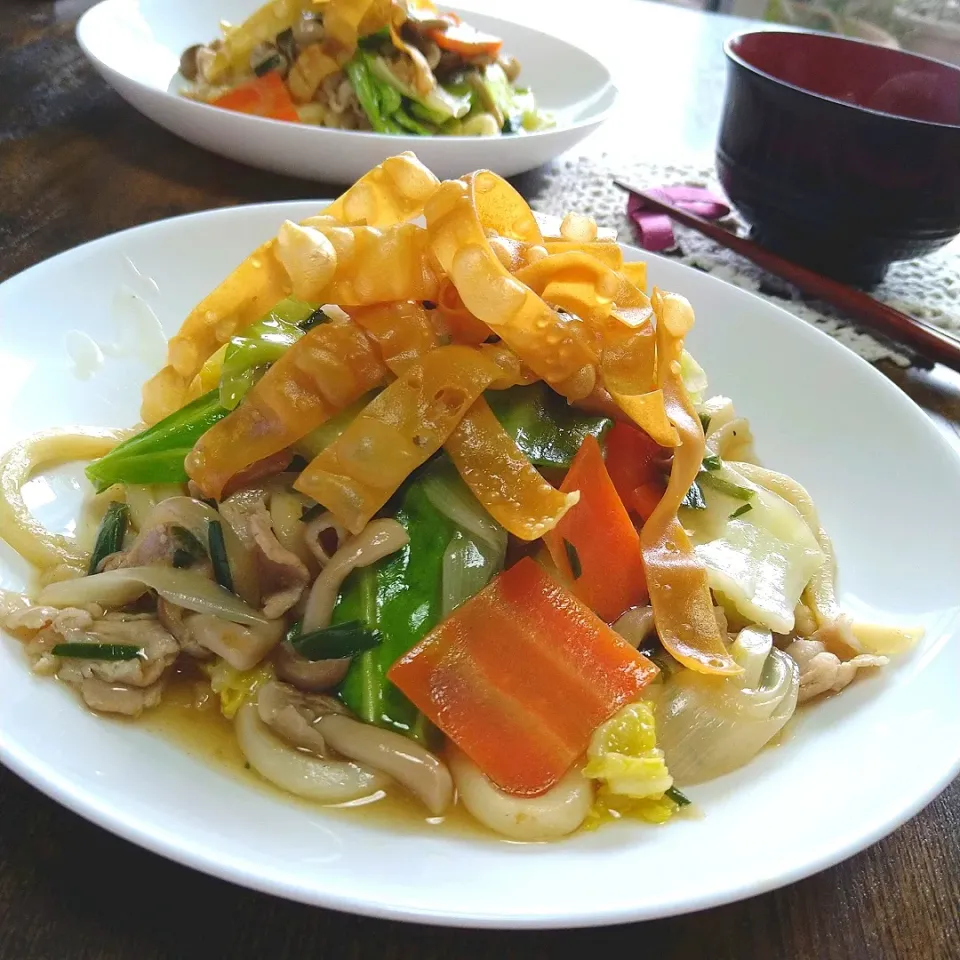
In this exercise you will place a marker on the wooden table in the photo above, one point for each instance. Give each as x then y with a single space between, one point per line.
77 163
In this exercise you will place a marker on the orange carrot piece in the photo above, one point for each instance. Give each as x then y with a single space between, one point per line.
643 501
520 676
265 96
632 459
461 38
597 536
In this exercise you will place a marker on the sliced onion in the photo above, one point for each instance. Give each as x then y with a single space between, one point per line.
636 625
185 588
299 773
750 650
468 566
708 726
452 497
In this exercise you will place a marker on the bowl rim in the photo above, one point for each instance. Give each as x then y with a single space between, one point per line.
736 59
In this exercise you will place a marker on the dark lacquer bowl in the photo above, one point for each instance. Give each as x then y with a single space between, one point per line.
842 155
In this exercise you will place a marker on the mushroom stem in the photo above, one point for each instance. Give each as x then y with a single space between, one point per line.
407 762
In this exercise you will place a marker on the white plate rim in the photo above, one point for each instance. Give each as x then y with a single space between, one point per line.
164 842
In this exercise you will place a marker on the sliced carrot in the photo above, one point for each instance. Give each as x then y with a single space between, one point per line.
461 38
643 501
265 96
520 676
595 543
633 459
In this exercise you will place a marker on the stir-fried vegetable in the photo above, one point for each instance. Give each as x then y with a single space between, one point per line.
459 37
633 460
547 430
438 104
609 576
623 753
157 454
676 578
265 96
345 639
520 676
110 535
401 597
97 651
502 478
249 354
218 555
184 588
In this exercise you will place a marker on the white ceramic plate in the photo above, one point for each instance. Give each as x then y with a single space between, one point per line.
856 766
136 46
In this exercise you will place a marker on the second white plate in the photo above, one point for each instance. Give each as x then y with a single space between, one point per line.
136 47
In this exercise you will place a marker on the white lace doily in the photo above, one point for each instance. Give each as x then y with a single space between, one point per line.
928 288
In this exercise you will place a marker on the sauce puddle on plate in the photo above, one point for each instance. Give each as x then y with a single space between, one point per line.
189 715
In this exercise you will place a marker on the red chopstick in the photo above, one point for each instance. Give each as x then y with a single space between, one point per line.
923 338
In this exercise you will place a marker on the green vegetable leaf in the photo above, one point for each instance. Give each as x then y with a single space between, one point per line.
726 486
315 442
367 91
401 597
544 426
573 558
337 641
251 352
110 535
156 454
712 462
98 651
740 511
218 555
678 797
705 421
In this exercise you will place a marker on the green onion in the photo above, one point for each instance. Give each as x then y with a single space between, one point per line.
705 421
712 462
574 559
110 535
694 498
678 797
336 642
314 320
740 511
725 486
98 651
188 549
218 555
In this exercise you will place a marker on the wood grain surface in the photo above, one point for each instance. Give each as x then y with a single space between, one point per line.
77 163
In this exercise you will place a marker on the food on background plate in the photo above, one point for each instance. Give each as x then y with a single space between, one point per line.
391 66
443 510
